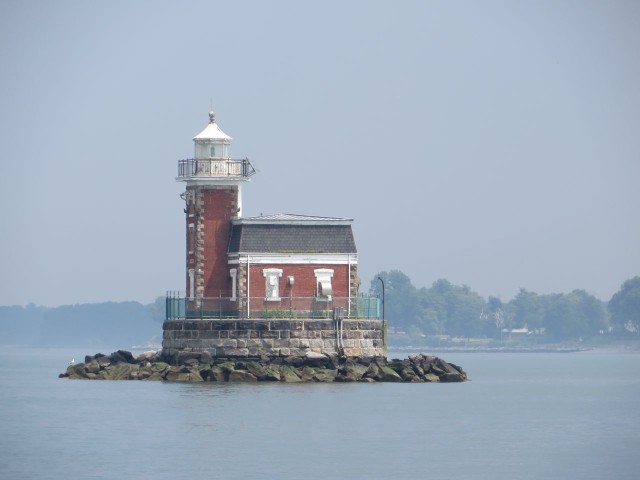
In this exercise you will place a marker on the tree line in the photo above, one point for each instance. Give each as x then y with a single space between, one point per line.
120 324
456 310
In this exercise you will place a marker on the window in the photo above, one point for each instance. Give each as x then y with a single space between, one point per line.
192 238
234 285
324 289
272 283
192 282
213 151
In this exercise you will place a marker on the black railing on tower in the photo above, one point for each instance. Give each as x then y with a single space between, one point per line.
210 167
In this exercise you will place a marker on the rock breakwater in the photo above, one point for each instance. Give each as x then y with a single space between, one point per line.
123 365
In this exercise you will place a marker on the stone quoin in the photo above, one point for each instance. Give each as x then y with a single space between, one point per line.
275 285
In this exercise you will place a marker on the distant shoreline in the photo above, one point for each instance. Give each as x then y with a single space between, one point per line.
539 349
426 348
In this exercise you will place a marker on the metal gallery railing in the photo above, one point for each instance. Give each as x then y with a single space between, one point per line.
180 307
196 167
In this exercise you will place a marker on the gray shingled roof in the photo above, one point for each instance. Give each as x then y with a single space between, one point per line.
292 238
290 218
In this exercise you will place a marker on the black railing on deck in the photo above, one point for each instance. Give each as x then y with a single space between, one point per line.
180 307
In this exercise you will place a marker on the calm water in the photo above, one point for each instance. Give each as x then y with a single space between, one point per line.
524 416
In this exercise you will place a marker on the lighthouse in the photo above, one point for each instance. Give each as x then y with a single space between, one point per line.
277 285
213 199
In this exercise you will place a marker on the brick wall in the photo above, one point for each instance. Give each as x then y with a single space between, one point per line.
211 209
304 280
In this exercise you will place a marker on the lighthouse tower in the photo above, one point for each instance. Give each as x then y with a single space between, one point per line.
213 198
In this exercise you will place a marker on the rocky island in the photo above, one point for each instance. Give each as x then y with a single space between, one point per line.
313 367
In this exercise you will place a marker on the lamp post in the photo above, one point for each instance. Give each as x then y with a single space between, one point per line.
382 282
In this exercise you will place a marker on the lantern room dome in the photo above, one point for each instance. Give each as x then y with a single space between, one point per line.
212 142
212 131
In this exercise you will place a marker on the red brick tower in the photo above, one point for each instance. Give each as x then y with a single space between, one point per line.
213 198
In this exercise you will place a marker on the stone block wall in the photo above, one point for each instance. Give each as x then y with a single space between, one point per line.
231 338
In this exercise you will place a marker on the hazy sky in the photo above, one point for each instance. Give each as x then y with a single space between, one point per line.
492 143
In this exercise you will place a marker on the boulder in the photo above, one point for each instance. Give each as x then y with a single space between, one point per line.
452 377
173 376
120 371
288 374
326 375
102 360
352 371
315 359
446 367
373 371
183 374
263 373
295 362
92 367
76 370
150 356
307 374
387 374
159 366
194 375
241 376
430 377
121 356
214 374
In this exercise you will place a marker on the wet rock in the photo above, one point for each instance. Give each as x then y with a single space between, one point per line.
313 367
387 374
121 356
352 371
430 377
289 375
150 356
452 377
92 367
241 376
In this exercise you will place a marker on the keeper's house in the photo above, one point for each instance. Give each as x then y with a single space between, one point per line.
278 284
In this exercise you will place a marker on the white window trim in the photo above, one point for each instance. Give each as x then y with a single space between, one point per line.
191 239
323 275
269 273
234 285
192 282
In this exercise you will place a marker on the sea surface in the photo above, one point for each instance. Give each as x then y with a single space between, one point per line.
522 416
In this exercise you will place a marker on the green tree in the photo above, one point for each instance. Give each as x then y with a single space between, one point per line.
573 316
624 307
456 310
526 309
496 314
400 297
157 309
594 316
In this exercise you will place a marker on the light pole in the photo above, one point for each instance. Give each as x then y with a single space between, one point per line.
382 282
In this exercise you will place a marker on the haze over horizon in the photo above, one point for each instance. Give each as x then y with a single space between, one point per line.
495 144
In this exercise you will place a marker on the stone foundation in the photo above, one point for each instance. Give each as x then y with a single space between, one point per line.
230 338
